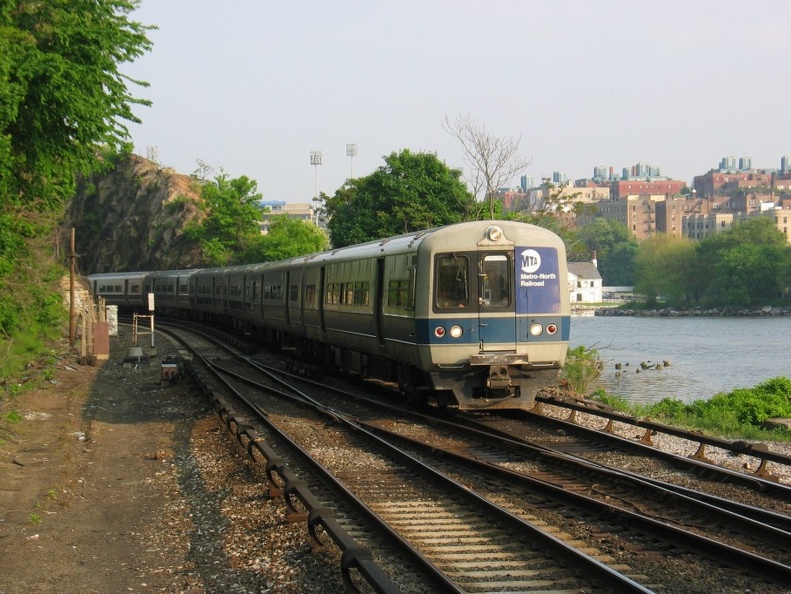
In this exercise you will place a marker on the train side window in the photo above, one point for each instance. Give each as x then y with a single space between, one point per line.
399 293
362 291
495 286
452 282
333 293
310 294
347 293
293 293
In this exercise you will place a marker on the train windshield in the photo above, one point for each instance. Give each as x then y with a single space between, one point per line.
495 288
453 286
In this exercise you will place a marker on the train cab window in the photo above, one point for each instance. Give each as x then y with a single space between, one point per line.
495 285
452 282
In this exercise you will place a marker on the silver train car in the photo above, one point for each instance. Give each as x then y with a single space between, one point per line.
124 289
474 315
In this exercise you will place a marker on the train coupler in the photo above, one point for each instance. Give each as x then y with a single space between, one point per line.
498 378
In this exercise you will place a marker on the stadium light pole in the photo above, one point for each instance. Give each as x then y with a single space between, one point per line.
315 160
351 152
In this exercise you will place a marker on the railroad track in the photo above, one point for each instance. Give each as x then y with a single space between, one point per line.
447 511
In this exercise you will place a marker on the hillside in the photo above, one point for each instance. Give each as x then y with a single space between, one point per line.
131 218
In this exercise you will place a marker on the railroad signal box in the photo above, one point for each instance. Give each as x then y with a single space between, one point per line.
170 369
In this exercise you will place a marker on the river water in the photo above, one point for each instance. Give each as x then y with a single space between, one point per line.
706 355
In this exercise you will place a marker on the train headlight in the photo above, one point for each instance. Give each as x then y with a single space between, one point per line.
456 331
536 329
439 331
552 329
494 233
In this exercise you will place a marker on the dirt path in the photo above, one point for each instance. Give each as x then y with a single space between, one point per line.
88 475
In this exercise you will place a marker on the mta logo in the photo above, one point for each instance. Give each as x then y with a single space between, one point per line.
531 261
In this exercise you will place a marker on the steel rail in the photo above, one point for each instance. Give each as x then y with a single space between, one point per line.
602 572
718 551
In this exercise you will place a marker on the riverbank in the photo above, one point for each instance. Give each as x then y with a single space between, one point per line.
764 311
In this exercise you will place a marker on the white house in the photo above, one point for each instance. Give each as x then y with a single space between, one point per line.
585 282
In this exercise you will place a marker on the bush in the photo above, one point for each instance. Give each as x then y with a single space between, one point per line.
739 413
582 369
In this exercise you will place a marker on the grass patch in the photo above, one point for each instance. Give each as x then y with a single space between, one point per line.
582 369
12 416
737 414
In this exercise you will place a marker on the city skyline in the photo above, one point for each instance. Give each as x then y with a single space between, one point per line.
253 88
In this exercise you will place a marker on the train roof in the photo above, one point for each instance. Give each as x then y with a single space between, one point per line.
460 236
183 272
122 275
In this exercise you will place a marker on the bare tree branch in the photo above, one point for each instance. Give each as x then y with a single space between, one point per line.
492 161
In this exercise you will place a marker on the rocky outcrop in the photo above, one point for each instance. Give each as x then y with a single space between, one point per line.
132 217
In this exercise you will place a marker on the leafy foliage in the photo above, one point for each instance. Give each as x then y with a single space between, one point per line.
582 369
231 222
63 100
746 265
287 238
62 94
615 247
740 412
663 266
412 191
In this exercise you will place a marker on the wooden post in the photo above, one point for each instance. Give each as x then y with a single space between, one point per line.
72 313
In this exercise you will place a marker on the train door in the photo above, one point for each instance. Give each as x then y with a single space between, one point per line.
378 302
496 319
321 295
290 296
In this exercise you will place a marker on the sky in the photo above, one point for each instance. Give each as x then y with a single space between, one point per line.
251 87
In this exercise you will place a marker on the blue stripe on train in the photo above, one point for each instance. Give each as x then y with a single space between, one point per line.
500 330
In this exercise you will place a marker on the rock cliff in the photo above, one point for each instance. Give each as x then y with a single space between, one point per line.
132 217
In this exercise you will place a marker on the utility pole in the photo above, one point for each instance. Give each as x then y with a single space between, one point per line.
72 258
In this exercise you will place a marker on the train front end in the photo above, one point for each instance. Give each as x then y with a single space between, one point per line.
498 319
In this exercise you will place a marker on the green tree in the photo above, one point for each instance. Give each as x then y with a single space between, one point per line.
663 267
63 104
749 274
748 263
230 224
615 249
62 94
287 238
619 264
412 191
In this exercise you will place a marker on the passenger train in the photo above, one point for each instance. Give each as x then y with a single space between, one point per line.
474 315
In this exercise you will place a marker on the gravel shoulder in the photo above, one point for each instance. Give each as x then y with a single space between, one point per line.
87 475
116 481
